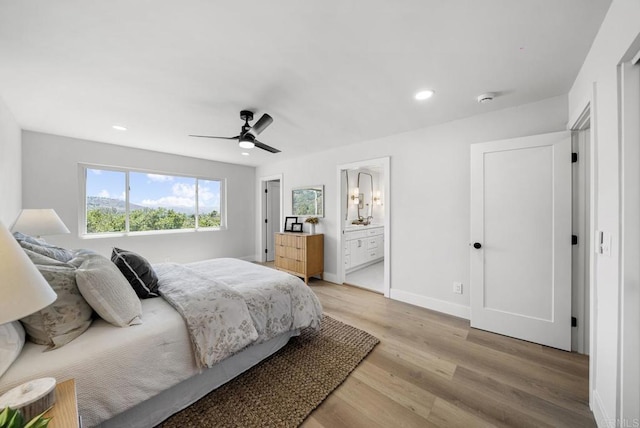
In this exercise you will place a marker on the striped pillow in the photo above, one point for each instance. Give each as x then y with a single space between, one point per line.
138 272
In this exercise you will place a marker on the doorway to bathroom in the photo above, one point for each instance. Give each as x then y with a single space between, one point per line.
364 219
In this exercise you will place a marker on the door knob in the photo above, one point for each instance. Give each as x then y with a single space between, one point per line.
477 245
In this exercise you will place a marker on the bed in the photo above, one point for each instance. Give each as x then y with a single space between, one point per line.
139 375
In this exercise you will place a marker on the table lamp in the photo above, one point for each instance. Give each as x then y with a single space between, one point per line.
23 291
38 222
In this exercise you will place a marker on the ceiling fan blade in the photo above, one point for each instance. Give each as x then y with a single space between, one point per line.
261 125
221 138
265 147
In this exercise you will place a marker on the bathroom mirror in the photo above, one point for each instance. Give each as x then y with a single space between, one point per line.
365 184
308 201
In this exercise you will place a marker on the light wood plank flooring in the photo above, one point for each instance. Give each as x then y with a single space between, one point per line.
432 369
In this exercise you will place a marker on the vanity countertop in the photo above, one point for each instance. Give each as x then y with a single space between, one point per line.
362 227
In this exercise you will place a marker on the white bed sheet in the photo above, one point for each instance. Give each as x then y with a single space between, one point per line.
156 353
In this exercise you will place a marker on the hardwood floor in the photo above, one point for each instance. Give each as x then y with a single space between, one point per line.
432 369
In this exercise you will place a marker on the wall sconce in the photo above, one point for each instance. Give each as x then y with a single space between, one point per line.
377 199
355 197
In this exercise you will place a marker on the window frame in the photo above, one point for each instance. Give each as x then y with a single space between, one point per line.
82 205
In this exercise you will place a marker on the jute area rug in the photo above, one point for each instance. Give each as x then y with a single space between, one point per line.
284 389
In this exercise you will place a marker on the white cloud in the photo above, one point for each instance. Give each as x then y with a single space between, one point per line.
184 195
159 178
96 171
184 190
104 193
169 201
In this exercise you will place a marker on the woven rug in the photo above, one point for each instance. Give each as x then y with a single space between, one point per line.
284 389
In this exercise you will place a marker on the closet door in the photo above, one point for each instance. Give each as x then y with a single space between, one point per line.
521 238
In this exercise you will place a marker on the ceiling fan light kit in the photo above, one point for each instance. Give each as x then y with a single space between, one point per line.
248 133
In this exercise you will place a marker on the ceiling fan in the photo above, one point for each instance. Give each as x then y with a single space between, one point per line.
248 134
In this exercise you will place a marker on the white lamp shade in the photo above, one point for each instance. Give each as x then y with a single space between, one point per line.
23 290
39 222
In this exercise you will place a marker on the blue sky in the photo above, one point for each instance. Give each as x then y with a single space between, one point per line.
154 190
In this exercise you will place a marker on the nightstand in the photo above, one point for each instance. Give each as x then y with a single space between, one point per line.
65 411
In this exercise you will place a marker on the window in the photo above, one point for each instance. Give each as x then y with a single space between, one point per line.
122 201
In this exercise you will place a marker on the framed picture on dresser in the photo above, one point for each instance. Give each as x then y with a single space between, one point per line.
296 227
289 222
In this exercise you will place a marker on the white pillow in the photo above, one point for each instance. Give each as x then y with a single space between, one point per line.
11 343
108 292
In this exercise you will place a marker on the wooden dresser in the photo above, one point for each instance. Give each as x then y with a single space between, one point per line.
300 254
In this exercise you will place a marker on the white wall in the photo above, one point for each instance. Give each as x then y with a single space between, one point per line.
10 167
597 83
50 180
429 196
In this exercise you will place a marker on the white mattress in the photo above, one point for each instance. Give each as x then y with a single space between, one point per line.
135 376
104 360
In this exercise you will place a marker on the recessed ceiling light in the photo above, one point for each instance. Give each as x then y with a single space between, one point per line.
245 154
425 94
119 127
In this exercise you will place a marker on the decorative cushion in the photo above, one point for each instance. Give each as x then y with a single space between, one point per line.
108 292
66 318
39 259
30 239
61 254
11 343
138 272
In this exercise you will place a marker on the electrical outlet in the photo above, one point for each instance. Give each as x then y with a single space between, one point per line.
457 287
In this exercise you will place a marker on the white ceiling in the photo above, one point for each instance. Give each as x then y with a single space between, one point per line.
330 72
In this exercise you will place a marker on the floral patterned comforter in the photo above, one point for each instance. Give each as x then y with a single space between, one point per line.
229 304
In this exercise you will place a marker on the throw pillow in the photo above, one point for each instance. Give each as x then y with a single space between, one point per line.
138 272
39 259
66 318
11 343
58 253
108 292
30 239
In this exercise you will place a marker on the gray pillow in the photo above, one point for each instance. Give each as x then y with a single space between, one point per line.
66 318
61 254
39 259
108 292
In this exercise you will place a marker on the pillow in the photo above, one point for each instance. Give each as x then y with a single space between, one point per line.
39 259
61 254
66 318
30 239
11 343
138 272
108 292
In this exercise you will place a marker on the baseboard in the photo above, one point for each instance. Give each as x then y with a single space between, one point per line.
443 306
599 412
329 277
252 258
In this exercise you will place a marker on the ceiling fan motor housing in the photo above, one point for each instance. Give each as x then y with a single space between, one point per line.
246 115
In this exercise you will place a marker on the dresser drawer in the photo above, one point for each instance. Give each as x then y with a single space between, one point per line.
300 254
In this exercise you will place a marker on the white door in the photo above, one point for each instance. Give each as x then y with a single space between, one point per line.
272 196
521 222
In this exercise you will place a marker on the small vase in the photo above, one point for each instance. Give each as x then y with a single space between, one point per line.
312 228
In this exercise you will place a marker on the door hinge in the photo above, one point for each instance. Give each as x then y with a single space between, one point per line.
574 239
265 251
266 220
266 190
574 322
574 157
